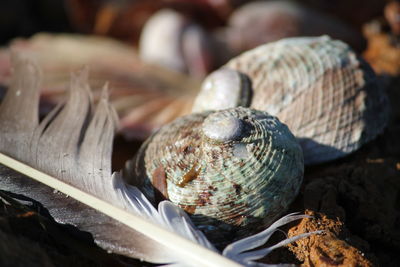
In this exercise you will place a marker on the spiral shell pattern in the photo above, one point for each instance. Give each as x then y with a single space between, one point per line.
234 170
329 97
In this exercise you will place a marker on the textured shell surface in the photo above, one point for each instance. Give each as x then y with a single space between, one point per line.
329 97
234 170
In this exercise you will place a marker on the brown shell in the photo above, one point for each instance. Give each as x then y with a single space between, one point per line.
260 22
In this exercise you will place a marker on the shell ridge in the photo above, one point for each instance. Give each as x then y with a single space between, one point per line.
315 85
227 193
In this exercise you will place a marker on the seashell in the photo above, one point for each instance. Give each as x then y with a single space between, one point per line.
222 89
171 40
260 22
160 39
235 171
329 97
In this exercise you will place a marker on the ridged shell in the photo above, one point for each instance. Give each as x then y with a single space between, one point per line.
329 97
234 170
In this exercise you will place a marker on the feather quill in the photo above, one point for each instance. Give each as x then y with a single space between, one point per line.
70 151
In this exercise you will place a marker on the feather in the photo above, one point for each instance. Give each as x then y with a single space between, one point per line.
69 151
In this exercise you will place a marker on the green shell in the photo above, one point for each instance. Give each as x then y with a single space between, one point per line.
235 171
328 96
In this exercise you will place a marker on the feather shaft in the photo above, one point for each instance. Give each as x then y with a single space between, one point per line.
191 252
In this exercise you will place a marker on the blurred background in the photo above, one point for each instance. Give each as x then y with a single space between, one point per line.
124 19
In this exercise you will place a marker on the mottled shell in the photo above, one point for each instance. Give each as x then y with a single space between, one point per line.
234 170
329 97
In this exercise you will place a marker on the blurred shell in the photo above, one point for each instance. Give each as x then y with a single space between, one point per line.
171 40
261 22
235 170
329 98
160 39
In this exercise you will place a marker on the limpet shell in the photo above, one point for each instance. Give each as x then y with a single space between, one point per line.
328 96
234 171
